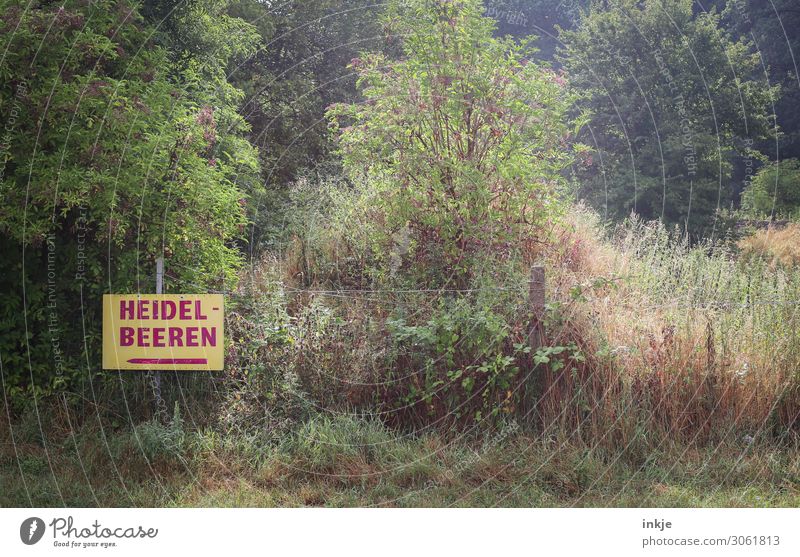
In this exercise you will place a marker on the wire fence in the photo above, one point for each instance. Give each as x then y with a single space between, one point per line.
360 293
702 302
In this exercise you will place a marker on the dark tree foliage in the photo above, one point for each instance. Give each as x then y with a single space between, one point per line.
676 102
301 69
774 30
113 155
540 18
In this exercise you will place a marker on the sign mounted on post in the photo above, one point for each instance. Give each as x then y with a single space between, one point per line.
163 331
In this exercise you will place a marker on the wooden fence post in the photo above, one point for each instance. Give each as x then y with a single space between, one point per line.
536 295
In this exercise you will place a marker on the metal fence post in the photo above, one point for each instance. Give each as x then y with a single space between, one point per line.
161 409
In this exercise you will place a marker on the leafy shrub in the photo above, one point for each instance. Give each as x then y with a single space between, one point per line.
463 364
463 139
263 393
453 173
774 191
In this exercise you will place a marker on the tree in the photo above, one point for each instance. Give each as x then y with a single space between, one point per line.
113 156
675 103
774 29
464 138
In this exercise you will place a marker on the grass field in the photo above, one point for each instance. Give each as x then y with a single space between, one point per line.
357 462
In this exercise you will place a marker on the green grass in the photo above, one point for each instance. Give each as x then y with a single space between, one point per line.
347 462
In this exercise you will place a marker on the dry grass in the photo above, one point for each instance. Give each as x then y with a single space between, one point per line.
700 347
779 247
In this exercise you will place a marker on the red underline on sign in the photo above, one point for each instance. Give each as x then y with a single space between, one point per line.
168 361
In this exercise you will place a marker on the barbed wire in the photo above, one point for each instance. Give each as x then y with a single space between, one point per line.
345 291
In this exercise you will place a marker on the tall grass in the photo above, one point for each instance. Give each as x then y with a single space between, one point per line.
779 247
701 344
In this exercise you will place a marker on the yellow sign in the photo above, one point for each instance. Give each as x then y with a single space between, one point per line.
163 331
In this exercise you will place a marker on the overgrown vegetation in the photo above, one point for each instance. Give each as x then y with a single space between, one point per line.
347 461
374 239
773 192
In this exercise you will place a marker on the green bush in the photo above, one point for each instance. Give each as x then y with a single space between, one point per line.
115 156
463 364
774 191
